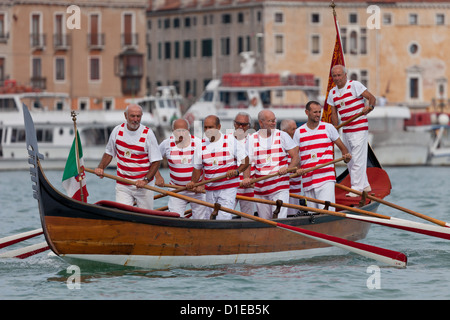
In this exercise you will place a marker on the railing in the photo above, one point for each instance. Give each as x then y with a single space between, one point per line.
61 41
37 40
96 41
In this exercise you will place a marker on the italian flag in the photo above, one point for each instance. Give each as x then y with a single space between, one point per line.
71 177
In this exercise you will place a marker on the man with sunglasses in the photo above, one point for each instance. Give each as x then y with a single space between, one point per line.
242 124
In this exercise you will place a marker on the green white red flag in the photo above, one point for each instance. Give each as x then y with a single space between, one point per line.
71 177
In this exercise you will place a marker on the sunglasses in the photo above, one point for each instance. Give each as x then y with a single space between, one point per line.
241 124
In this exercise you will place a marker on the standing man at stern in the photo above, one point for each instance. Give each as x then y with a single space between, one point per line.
138 158
347 99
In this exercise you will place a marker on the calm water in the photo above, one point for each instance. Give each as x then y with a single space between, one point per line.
423 189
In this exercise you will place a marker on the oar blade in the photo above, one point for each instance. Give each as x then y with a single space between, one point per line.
10 240
389 257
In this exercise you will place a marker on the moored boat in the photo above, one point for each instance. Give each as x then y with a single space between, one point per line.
55 130
112 233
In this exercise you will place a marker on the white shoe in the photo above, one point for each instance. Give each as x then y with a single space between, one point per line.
367 189
352 195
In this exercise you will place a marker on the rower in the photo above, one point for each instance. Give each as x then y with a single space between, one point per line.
219 154
179 149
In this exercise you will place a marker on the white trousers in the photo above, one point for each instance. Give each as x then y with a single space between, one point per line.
245 206
225 197
265 211
129 194
357 145
179 205
325 192
292 211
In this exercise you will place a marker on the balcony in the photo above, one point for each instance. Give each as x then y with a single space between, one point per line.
129 40
4 36
61 41
96 41
129 66
37 41
38 83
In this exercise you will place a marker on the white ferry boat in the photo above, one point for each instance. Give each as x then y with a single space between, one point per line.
55 129
286 96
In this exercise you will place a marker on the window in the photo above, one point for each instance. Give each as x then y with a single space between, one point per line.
240 17
387 19
315 18
177 49
440 19
413 19
59 39
167 50
60 69
37 38
413 48
240 44
353 18
278 17
225 46
315 44
354 40
36 68
279 44
226 18
94 68
207 48
413 88
176 23
95 37
129 37
166 23
3 33
187 22
187 49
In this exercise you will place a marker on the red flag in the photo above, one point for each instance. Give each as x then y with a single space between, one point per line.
337 59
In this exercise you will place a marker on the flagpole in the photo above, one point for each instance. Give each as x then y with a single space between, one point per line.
74 119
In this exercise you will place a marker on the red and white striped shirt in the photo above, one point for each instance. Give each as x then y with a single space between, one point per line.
216 158
135 151
180 160
349 102
295 184
268 155
315 148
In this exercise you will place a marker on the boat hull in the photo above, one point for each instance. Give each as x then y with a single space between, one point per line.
75 230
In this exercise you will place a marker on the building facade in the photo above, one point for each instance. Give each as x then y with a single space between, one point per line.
397 48
102 52
92 50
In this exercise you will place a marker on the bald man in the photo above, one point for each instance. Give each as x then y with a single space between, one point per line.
347 100
269 150
138 158
220 155
179 149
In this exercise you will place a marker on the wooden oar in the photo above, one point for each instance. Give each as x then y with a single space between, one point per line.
26 252
346 122
389 257
412 226
179 189
318 166
425 217
10 240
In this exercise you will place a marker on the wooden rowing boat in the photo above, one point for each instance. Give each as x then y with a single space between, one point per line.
114 233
